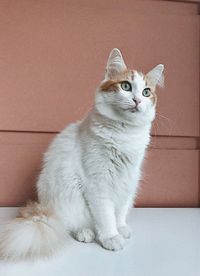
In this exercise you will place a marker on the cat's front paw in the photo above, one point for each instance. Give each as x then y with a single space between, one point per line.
114 243
125 231
84 235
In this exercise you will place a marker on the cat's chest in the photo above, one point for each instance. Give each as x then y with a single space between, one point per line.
126 154
124 168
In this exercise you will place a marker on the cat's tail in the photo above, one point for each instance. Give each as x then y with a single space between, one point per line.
36 232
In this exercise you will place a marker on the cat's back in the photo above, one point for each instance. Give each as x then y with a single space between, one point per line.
64 143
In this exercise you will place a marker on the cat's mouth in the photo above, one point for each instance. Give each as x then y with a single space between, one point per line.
132 109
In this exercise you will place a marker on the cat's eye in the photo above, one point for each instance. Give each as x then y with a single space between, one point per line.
125 85
146 92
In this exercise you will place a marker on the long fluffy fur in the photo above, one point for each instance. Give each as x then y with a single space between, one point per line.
35 233
90 173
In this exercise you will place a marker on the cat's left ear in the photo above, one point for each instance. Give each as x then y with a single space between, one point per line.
155 76
115 64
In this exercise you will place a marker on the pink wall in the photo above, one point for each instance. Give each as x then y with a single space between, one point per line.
49 49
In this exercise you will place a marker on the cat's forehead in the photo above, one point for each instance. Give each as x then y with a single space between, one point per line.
133 76
137 79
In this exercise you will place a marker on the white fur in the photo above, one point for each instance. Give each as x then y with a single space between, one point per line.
115 63
156 75
90 174
33 236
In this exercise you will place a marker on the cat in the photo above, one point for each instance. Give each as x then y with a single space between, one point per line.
91 170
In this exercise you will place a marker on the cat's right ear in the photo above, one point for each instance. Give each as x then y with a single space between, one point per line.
115 64
155 76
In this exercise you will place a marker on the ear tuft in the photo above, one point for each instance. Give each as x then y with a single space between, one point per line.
155 76
115 64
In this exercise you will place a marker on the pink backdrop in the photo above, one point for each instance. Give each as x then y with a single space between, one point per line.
51 49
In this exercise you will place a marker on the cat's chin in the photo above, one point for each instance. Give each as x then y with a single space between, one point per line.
131 115
132 110
135 109
138 117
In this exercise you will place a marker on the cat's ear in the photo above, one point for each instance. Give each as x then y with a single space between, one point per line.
115 64
155 76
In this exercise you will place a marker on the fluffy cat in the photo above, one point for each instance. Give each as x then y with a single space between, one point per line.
91 170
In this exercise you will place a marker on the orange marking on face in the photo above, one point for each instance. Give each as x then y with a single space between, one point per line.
109 86
112 84
153 97
148 83
122 76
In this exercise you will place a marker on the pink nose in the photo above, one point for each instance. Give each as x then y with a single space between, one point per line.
136 101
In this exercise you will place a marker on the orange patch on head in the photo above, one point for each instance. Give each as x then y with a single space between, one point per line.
153 96
124 75
148 84
109 86
112 84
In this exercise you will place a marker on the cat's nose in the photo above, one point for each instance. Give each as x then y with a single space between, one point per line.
136 101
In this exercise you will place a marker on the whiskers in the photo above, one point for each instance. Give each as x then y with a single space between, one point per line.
166 123
160 125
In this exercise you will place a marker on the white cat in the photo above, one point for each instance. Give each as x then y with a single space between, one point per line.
91 170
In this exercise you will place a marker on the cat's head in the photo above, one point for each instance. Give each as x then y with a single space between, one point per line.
128 95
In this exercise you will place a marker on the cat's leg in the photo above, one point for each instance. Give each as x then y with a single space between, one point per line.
103 213
121 214
79 219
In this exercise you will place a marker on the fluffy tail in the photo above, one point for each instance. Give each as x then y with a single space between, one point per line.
35 233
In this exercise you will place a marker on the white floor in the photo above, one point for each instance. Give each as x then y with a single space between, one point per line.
166 242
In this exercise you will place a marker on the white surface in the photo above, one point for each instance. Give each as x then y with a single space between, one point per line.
166 242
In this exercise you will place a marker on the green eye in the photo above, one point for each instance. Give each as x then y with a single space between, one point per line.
146 92
125 85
